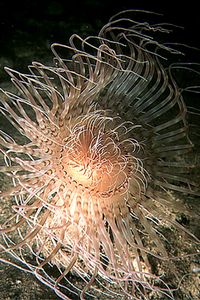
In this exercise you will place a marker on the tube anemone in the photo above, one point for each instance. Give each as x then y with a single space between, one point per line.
104 136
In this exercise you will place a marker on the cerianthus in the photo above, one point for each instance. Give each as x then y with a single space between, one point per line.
104 139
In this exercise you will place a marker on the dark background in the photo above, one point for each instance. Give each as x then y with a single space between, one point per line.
23 14
28 28
34 25
47 17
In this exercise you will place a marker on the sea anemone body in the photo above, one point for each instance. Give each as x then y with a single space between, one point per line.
104 134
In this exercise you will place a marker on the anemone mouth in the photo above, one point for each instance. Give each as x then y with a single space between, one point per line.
97 161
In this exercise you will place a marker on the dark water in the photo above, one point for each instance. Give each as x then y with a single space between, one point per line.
27 28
